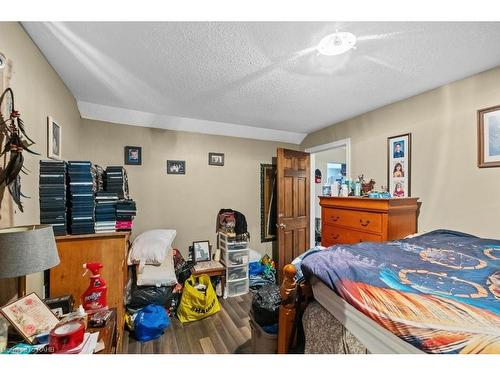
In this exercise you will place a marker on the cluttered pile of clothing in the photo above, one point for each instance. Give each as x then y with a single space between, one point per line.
158 273
262 272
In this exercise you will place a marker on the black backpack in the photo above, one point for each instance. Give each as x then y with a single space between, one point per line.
240 226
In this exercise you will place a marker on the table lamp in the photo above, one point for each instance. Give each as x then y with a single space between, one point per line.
25 250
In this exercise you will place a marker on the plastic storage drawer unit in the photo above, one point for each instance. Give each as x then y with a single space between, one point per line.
237 273
230 243
236 258
236 288
234 255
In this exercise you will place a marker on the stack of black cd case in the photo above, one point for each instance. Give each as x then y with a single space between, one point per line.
116 181
105 212
82 186
52 193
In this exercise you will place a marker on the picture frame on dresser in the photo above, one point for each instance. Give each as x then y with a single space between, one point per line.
399 165
488 137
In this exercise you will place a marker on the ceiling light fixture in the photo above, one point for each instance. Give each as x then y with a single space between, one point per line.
337 43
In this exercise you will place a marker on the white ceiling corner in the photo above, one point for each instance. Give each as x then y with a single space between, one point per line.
261 80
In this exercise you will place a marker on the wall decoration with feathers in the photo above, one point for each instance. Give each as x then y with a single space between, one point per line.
17 141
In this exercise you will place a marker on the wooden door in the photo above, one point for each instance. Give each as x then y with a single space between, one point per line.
293 205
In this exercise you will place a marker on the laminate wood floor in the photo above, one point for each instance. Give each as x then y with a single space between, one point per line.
227 331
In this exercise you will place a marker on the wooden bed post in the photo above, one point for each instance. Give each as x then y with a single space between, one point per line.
287 309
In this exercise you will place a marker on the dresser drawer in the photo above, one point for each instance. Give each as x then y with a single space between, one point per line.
362 220
333 234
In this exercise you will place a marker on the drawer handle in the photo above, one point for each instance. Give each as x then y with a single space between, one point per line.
335 236
334 218
364 223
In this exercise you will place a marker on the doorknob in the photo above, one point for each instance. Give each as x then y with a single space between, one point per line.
281 226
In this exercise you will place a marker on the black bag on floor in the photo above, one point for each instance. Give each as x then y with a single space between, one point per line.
141 296
265 305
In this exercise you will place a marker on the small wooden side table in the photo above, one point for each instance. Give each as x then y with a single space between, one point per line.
220 271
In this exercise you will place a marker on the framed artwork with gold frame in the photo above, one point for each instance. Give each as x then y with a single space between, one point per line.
488 137
30 316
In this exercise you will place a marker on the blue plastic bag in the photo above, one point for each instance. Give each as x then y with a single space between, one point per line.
150 323
255 268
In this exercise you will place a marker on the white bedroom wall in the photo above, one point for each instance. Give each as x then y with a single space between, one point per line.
454 192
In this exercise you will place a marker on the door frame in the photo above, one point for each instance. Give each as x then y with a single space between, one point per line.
346 142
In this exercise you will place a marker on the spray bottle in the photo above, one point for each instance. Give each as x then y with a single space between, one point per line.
94 298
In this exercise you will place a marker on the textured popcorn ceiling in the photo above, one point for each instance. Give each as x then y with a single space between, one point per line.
264 77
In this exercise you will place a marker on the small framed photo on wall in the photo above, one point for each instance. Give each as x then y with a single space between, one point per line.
176 167
215 158
133 155
54 139
399 165
488 137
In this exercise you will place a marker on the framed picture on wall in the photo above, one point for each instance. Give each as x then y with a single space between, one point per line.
176 167
216 158
133 155
54 139
488 137
399 165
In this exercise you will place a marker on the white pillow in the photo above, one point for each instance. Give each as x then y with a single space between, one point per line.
163 275
151 247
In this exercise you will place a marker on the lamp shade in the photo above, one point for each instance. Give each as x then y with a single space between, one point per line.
26 250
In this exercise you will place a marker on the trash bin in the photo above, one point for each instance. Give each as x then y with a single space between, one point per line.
262 342
265 305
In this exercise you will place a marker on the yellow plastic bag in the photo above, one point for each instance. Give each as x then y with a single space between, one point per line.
195 304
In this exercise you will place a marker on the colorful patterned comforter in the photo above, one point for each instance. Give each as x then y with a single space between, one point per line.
439 291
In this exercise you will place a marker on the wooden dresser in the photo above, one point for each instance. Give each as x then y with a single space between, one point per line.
110 249
354 219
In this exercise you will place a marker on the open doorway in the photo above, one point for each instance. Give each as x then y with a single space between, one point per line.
329 163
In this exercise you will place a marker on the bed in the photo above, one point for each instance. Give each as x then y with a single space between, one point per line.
434 293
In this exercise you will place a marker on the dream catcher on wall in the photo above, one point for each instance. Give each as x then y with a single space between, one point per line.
16 141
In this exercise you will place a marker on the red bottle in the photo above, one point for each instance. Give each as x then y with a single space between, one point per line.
94 298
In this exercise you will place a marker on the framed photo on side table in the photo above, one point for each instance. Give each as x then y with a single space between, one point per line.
488 137
399 165
201 250
30 316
